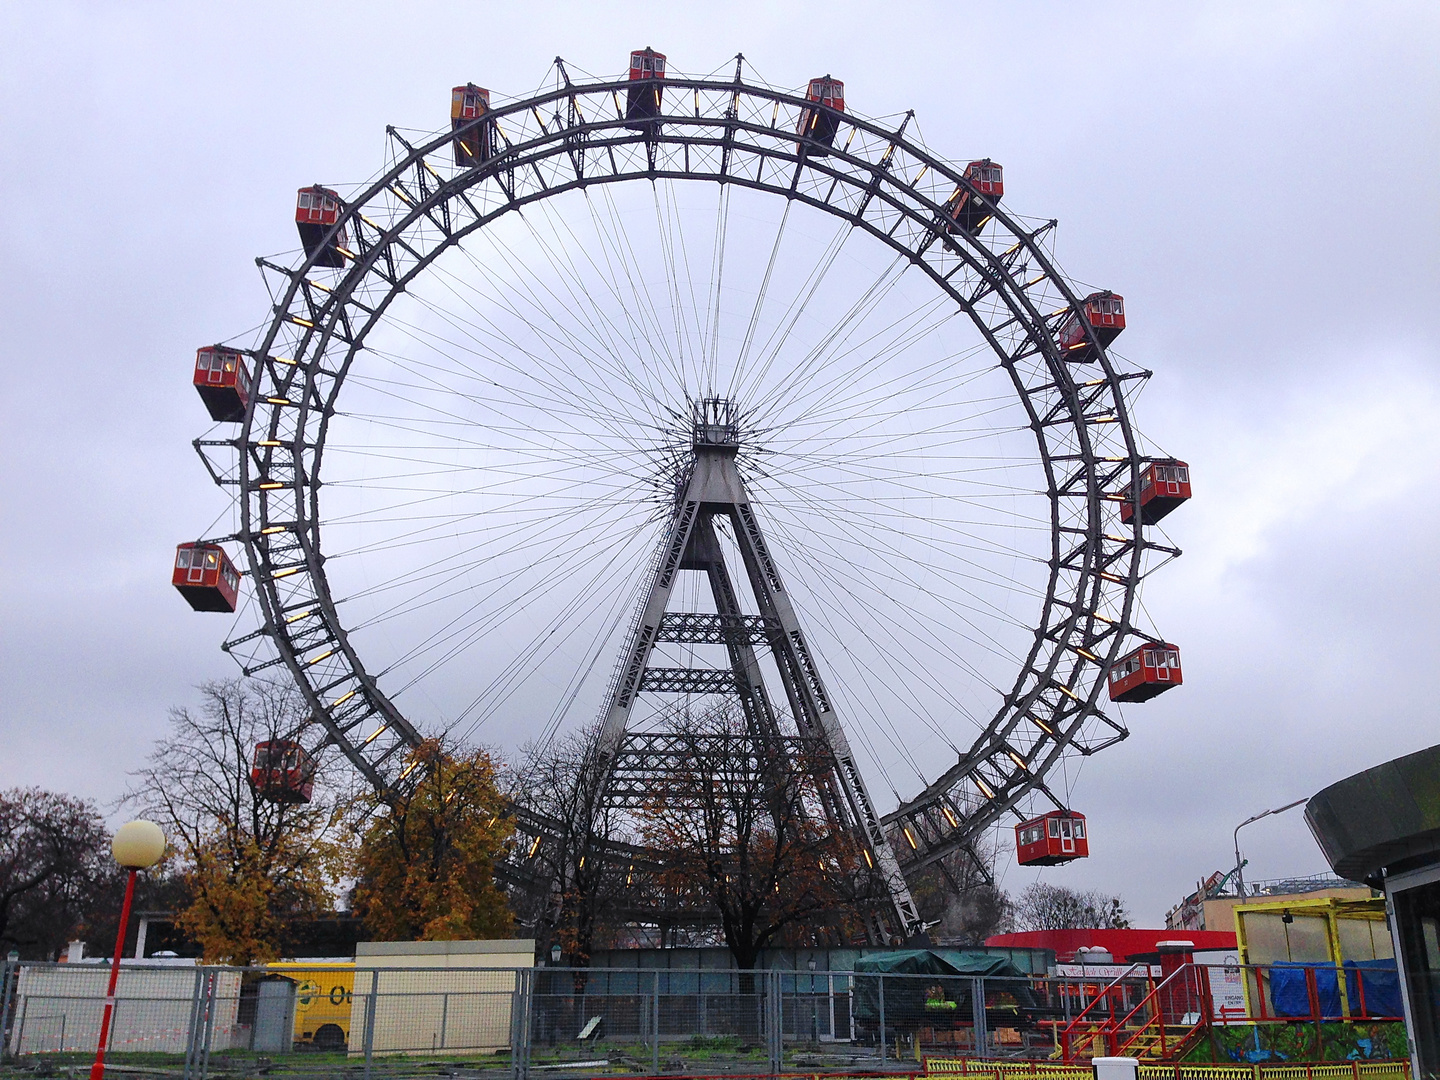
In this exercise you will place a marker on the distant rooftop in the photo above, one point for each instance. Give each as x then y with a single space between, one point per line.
1287 886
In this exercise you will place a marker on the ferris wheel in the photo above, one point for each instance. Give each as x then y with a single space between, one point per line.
497 373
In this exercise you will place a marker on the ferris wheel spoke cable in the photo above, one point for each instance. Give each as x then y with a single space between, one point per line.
615 244
675 232
568 276
797 379
443 571
540 314
830 480
449 432
365 516
945 371
806 291
820 616
798 469
799 383
459 639
896 658
503 687
882 598
713 309
679 327
634 313
604 348
624 603
446 566
743 355
950 435
504 607
431 532
848 389
576 403
670 236
960 547
963 611
565 405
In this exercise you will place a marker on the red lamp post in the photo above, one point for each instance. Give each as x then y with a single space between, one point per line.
137 844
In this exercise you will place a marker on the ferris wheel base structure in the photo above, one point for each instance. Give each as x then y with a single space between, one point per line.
1104 490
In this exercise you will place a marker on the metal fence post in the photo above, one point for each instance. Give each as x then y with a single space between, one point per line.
192 1030
655 1027
370 1019
7 998
776 1017
881 978
212 984
521 1022
517 1025
977 1013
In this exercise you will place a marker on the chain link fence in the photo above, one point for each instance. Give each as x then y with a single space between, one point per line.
360 1023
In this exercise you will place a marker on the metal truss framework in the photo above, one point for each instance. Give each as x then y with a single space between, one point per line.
714 489
725 131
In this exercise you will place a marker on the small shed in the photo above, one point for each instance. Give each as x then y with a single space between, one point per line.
415 997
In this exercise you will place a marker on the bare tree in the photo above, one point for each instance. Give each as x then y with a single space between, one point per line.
250 863
745 835
958 896
1054 907
54 868
558 786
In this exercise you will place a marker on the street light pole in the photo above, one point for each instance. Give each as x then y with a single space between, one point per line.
1239 866
137 844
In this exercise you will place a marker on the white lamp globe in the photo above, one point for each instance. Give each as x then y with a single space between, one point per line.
138 844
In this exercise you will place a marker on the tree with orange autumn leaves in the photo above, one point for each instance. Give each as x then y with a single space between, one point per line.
250 867
425 864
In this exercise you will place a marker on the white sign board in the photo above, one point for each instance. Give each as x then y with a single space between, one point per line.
1227 983
1106 972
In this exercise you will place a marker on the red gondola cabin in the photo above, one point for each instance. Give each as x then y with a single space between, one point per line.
1051 839
1149 670
282 771
206 577
642 100
223 382
970 211
1105 311
469 103
819 125
317 209
1164 485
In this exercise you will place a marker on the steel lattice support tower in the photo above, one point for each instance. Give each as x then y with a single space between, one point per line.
714 489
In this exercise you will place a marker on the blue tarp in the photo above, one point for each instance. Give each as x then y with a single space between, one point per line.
1382 987
1290 995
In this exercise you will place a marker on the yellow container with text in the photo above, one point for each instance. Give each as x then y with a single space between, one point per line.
322 1002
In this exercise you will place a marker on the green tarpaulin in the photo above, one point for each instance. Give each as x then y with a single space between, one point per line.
932 988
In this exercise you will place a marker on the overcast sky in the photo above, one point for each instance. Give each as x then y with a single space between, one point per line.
1259 180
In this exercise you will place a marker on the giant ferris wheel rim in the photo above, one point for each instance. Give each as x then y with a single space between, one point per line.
1054 680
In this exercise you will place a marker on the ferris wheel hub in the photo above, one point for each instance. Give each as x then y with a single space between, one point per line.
715 424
